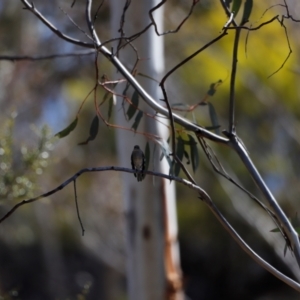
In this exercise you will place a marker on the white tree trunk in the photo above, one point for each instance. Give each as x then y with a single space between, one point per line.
152 249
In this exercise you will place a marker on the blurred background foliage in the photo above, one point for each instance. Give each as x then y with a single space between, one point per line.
42 252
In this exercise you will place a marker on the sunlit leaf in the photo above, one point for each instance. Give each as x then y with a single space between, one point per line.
135 104
194 153
247 11
68 129
137 120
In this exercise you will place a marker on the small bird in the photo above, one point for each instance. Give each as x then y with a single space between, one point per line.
138 162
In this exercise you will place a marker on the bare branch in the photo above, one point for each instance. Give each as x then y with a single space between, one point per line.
130 78
45 57
287 228
193 55
65 37
202 195
96 169
180 24
77 208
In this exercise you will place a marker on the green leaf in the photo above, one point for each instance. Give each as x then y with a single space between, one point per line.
147 156
179 153
135 104
247 11
186 155
94 128
137 120
213 116
165 151
194 153
68 129
110 107
93 131
236 6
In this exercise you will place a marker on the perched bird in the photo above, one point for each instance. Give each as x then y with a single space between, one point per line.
138 162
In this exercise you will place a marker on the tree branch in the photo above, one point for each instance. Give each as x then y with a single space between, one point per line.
287 228
202 195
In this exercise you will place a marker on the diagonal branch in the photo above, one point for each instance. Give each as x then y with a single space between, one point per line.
130 78
287 228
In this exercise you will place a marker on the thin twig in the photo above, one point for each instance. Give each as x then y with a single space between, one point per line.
31 7
45 57
77 208
180 24
231 128
193 55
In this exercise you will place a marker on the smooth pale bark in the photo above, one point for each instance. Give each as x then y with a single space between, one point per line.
152 250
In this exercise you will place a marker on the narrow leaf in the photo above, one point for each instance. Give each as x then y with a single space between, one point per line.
68 129
186 155
194 153
247 11
93 131
165 151
236 6
179 153
137 120
213 116
110 107
135 104
94 128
